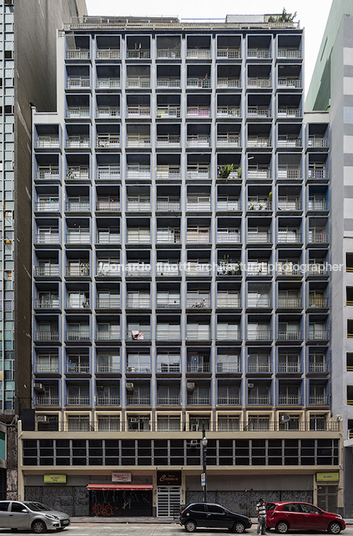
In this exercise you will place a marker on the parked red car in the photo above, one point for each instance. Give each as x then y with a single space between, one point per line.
285 516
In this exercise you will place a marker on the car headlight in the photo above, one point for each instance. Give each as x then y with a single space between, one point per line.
51 516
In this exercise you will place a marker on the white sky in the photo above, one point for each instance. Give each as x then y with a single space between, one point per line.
311 14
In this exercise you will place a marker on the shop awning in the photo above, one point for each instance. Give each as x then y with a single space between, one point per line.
127 486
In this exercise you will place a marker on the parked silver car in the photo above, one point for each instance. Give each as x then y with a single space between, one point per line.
26 515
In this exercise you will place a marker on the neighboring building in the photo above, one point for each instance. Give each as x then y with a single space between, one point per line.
332 88
181 280
27 75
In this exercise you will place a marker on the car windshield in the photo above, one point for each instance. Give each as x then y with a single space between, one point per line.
37 507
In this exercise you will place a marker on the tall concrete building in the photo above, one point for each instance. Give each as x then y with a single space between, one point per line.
332 88
181 290
27 75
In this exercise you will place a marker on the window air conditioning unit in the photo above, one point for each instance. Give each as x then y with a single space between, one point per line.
190 386
284 418
194 443
129 386
251 385
42 418
39 388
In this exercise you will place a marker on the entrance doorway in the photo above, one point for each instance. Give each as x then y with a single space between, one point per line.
327 498
168 501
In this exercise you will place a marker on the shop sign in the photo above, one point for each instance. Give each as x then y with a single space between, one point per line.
54 479
327 477
121 477
168 478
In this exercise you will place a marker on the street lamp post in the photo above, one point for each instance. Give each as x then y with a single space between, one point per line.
204 442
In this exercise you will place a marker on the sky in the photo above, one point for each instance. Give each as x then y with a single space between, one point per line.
311 15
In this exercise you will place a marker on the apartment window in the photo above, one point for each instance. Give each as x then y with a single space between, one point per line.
256 423
78 423
349 358
108 423
318 422
168 423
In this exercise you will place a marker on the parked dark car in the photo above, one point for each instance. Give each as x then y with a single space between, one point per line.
212 515
285 516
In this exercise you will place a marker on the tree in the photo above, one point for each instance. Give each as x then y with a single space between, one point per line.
284 17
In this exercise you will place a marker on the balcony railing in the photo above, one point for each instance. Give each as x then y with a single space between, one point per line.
319 400
198 53
77 82
138 140
228 140
290 400
78 238
223 367
289 172
77 142
196 335
259 111
294 368
255 303
261 400
318 302
259 368
260 269
290 335
199 171
204 83
318 367
198 111
48 238
46 335
168 401
228 401
168 82
168 172
107 112
171 303
110 302
256 172
165 112
289 111
51 270
108 173
112 335
138 302
318 172
77 368
138 171
318 205
289 141
80 206
77 271
318 237
290 303
46 303
198 400
108 141
77 54
228 111
168 269
198 141
318 141
46 368
259 141
77 401
198 237
194 205
108 401
108 83
290 82
107 206
288 205
141 110
259 53
103 368
228 83
319 335
138 401
289 53
168 53
198 269
169 140
77 173
77 335
261 238
168 206
104 237
139 334
228 205
140 53
50 173
259 82
79 112
228 237
138 81
228 52
259 335
108 54
46 401
47 206
288 238
168 368
168 333
47 142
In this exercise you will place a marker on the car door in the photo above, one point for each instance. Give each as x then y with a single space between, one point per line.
291 513
313 517
217 517
18 516
198 513
4 514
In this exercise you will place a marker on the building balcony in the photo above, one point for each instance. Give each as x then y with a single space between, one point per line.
168 333
195 400
261 112
141 110
51 270
262 400
77 336
259 53
138 171
228 111
143 333
195 335
290 400
289 238
198 269
168 53
289 112
259 204
104 237
319 335
78 82
228 401
258 269
319 400
259 303
47 142
199 172
80 206
138 401
228 302
140 204
138 302
107 206
228 205
103 368
108 141
289 172
168 82
194 205
138 141
288 269
108 54
168 172
318 205
198 301
290 303
293 83
256 172
259 238
260 335
259 83
198 111
198 368
289 53
198 141
203 83
77 173
46 368
168 368
110 335
47 206
107 112
50 173
108 401
138 236
318 237
296 335
318 368
289 141
259 368
110 302
194 237
198 53
78 112
228 140
291 368
168 401
228 368
168 206
318 302
228 237
46 401
77 142
47 303
77 401
78 238
228 53
172 303
108 83
77 54
46 336
47 239
77 270
168 111
138 82
318 142
228 83
169 141
138 54
258 142
108 173
289 205
318 172
76 303
77 368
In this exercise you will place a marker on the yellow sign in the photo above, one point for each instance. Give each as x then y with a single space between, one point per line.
327 477
54 479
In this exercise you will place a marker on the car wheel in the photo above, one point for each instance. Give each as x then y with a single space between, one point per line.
282 527
190 526
334 527
238 527
39 526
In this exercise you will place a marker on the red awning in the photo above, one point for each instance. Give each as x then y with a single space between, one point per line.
127 486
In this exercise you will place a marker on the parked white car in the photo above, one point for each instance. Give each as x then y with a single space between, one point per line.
26 515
